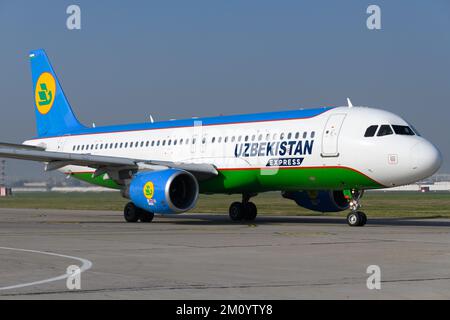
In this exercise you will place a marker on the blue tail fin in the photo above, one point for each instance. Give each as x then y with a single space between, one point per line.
54 116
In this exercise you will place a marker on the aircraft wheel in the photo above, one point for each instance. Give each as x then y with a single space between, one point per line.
236 211
250 211
131 212
146 216
356 219
364 218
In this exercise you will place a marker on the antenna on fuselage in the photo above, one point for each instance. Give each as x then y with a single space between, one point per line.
349 103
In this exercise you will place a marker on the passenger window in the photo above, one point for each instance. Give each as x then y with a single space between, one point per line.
313 134
289 135
305 134
370 132
403 130
385 130
226 139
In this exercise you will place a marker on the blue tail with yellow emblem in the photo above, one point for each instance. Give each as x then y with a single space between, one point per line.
54 116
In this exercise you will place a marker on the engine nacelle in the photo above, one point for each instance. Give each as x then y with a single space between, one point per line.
322 200
165 191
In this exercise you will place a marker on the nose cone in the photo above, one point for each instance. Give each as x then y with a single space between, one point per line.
426 159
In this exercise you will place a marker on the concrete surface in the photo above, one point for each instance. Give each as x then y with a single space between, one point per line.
194 256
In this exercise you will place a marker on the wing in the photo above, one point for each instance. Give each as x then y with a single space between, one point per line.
118 168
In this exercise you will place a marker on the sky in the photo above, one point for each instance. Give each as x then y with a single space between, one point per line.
177 59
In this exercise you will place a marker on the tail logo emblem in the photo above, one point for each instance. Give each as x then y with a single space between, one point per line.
45 93
149 190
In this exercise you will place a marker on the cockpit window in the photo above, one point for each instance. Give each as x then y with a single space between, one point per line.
403 130
385 130
370 132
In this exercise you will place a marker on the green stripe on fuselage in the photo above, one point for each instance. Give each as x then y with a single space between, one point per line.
260 180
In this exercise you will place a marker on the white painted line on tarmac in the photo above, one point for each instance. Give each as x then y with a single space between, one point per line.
86 265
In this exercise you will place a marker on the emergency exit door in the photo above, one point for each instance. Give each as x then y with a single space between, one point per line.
330 136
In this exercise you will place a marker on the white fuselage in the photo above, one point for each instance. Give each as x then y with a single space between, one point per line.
333 138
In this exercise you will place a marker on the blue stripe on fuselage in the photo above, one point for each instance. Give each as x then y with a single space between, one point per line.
208 121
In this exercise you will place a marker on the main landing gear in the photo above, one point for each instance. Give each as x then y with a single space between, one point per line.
355 218
244 210
132 213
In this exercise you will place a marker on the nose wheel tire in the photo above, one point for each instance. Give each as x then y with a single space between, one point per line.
356 219
242 211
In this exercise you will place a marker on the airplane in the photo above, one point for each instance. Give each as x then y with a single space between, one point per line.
322 158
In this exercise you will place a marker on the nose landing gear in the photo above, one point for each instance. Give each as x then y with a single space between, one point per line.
244 210
355 218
